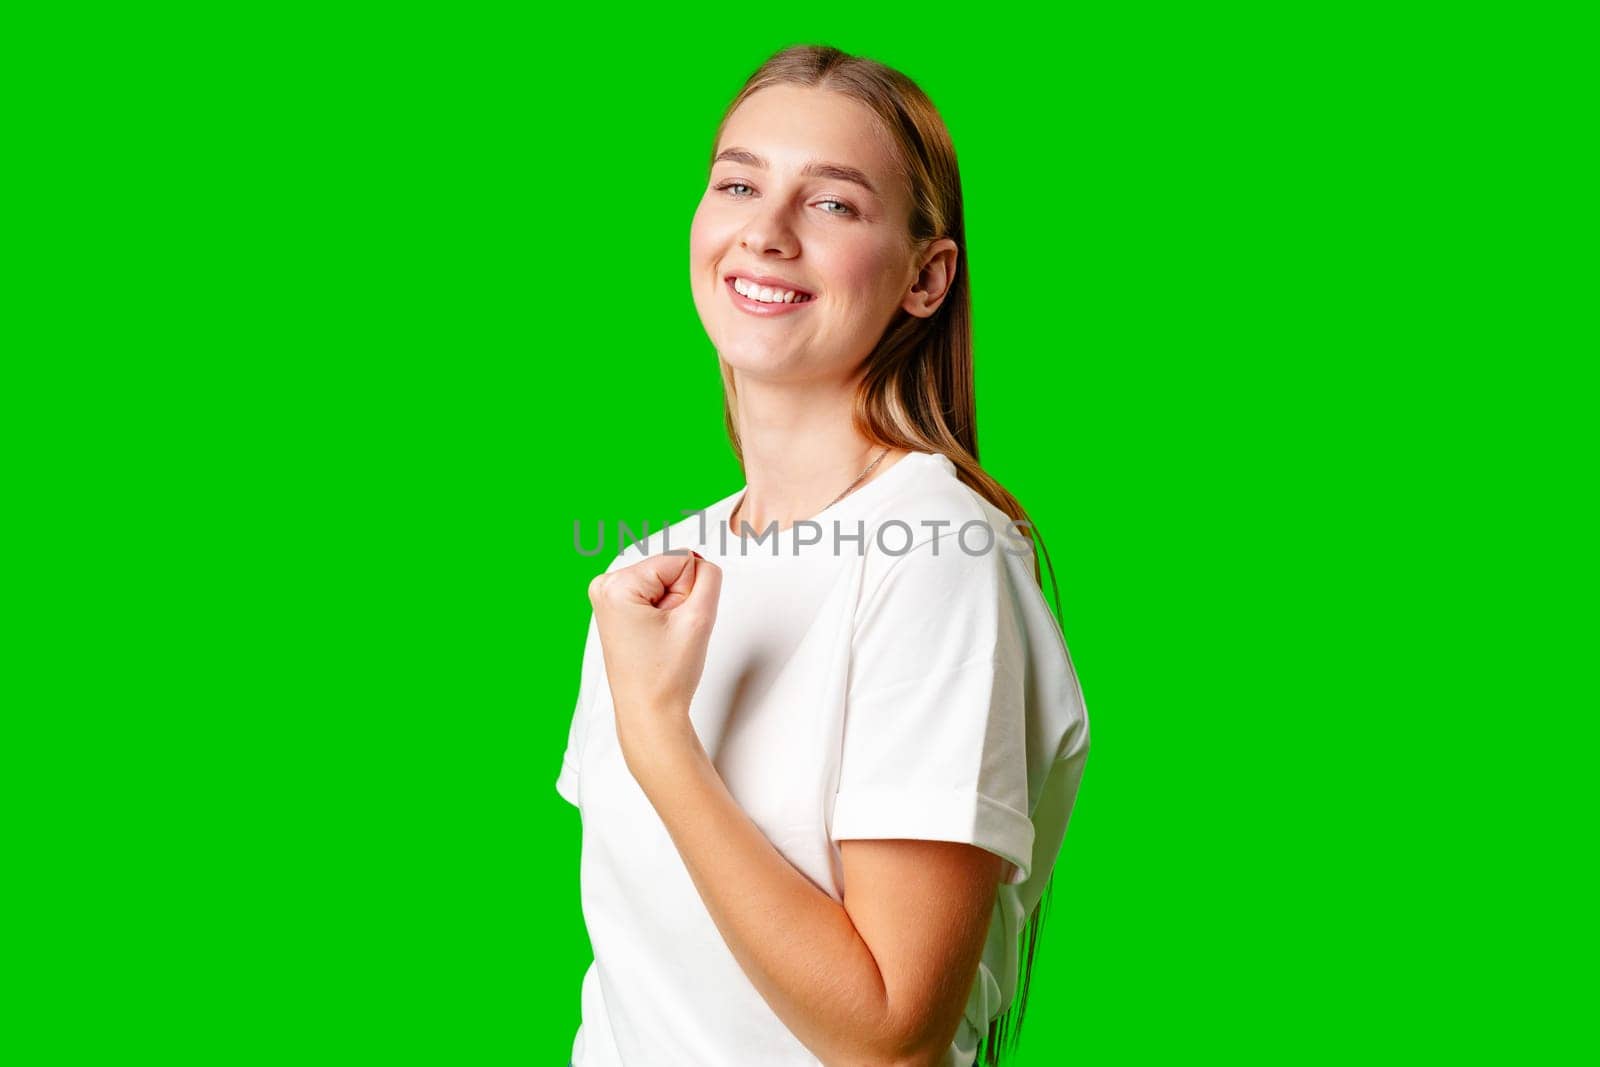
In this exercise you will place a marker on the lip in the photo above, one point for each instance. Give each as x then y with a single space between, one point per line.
771 281
756 307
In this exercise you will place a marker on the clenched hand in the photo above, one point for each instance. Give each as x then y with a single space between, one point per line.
655 619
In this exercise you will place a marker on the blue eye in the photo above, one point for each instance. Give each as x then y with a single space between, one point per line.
848 210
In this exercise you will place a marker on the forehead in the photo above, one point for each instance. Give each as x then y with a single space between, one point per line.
791 126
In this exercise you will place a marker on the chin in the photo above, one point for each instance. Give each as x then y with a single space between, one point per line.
779 366
755 360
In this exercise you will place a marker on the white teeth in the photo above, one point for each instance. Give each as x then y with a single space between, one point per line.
767 295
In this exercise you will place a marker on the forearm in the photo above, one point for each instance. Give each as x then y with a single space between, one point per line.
794 942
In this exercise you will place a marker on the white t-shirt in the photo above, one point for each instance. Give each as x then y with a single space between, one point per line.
895 679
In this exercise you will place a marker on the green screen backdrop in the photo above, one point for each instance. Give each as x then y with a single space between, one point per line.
326 326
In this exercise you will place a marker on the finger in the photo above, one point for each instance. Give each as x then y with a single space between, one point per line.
657 581
686 584
707 591
680 585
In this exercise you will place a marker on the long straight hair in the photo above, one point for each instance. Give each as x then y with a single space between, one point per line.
916 389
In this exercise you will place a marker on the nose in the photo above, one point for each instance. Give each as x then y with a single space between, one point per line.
768 232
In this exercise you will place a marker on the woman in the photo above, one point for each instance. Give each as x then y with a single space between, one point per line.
828 736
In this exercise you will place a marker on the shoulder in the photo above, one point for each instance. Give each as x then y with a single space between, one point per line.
940 533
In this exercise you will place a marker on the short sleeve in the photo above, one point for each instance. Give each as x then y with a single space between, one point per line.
935 732
588 678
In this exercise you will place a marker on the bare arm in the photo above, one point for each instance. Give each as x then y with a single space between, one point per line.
879 981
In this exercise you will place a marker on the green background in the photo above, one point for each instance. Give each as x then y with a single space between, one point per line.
325 328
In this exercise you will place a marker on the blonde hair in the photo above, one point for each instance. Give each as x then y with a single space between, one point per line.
916 389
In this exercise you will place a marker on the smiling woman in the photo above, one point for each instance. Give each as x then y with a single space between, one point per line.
823 790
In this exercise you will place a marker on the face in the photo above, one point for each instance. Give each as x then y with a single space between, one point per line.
805 196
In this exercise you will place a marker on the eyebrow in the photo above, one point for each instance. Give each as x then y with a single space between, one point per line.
815 169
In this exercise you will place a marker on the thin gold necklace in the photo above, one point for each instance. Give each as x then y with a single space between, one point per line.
830 503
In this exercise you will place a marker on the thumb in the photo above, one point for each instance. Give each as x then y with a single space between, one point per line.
701 601
692 591
658 581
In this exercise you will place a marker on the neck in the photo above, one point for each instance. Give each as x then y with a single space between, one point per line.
801 450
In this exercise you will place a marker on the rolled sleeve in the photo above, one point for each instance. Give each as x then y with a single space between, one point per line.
935 735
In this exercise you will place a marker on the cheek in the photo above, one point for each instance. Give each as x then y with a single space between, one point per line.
870 274
706 236
696 234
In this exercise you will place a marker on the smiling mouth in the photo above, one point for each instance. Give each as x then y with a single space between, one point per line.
765 309
775 294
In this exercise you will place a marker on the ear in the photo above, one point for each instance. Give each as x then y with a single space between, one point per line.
936 273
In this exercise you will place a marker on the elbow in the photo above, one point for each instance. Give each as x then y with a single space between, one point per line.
881 1058
922 1056
922 1045
927 1058
910 1030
